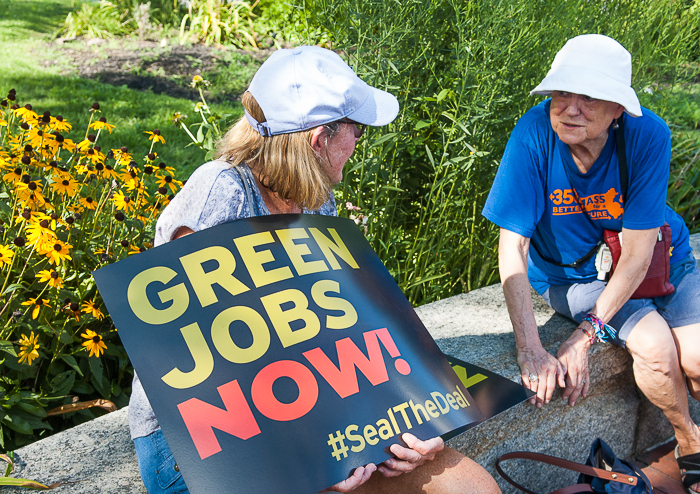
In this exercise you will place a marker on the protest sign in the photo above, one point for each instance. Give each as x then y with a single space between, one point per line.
279 354
492 393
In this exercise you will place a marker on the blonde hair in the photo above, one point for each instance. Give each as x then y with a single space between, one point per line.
284 163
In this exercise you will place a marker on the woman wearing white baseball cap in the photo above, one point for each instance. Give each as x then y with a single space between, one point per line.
305 110
587 160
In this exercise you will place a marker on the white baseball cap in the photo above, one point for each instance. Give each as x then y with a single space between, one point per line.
594 65
307 86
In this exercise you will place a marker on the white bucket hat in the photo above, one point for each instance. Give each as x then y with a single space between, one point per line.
304 87
594 65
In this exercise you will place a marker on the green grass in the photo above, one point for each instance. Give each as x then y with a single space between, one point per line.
26 29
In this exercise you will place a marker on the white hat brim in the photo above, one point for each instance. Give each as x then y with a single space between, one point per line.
580 80
379 108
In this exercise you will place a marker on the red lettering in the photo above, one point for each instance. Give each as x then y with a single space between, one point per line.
201 419
344 379
265 400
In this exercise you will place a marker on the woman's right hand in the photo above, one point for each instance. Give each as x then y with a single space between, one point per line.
549 371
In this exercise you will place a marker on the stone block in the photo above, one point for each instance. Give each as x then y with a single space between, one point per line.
98 456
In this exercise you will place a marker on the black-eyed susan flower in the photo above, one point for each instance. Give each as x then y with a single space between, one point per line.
26 112
29 193
39 233
51 277
29 347
122 156
155 136
163 169
108 172
59 124
6 255
122 202
89 307
88 202
13 176
94 156
168 181
57 252
66 186
69 145
94 343
38 304
102 124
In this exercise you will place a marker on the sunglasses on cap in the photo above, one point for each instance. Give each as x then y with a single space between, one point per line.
358 128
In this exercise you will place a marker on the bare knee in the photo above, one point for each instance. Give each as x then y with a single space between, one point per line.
653 348
449 473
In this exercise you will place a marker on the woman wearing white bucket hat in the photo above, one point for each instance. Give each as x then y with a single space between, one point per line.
305 110
559 185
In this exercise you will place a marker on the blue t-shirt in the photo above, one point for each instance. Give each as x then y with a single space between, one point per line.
538 189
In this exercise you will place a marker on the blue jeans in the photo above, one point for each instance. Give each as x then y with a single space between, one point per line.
159 472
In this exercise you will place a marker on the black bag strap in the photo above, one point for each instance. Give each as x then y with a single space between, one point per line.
610 476
619 127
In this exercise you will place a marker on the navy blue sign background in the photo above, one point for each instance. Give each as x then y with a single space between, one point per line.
288 420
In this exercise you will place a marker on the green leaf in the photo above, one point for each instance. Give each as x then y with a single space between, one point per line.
422 124
70 360
17 424
82 388
29 484
7 347
102 386
63 383
96 367
32 409
66 338
12 288
443 94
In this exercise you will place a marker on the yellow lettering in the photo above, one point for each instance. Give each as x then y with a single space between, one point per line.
224 344
296 252
370 432
281 318
432 409
138 300
318 294
329 247
254 260
203 360
223 275
385 430
451 401
355 437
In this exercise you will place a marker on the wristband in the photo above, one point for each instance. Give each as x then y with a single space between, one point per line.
603 332
591 337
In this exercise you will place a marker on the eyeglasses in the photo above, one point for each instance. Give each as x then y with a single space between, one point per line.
358 128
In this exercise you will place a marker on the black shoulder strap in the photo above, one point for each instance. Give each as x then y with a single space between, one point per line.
622 156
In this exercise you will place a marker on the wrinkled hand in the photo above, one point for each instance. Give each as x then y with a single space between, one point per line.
548 369
358 477
408 458
573 355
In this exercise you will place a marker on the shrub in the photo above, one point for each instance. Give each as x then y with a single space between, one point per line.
462 71
97 20
67 207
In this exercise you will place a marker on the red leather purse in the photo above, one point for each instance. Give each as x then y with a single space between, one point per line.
656 282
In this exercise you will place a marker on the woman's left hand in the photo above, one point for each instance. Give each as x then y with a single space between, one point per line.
408 458
573 355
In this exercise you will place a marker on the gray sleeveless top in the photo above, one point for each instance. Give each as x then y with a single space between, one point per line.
215 193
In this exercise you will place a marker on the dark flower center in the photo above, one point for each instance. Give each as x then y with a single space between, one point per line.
168 179
96 339
65 183
54 274
31 185
89 200
57 247
44 223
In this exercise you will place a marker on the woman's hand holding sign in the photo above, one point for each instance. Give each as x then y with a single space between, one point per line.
406 459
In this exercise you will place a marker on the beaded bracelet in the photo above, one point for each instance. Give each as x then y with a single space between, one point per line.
591 337
603 332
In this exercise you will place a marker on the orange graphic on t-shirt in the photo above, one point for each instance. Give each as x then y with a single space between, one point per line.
613 207
597 206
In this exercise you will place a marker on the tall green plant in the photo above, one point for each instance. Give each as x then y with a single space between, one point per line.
462 71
